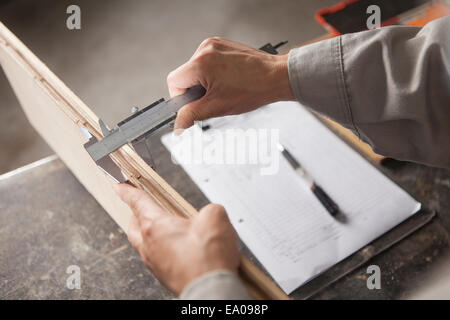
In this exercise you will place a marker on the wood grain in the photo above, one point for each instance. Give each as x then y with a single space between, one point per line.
58 114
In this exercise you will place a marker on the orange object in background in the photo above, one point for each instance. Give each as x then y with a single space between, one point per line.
350 15
432 12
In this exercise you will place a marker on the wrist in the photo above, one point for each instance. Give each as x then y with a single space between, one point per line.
280 85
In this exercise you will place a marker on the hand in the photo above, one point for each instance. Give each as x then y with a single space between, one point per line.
178 250
237 79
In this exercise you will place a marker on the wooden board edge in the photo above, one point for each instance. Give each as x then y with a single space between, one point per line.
354 140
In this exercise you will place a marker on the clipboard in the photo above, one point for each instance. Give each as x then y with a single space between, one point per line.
359 258
322 272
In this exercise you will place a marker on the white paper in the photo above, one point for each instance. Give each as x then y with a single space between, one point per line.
280 221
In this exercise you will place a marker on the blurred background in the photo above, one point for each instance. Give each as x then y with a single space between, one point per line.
121 56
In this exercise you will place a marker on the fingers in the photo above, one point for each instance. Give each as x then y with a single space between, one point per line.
178 81
182 78
136 239
214 217
188 114
185 76
209 106
134 233
214 209
214 214
140 202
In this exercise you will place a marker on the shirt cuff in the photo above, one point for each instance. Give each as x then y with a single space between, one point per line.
316 75
216 285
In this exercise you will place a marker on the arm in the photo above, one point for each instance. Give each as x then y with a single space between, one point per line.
391 86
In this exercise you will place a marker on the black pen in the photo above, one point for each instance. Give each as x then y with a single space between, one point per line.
320 194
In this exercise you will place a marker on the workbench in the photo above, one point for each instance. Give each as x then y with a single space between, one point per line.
48 222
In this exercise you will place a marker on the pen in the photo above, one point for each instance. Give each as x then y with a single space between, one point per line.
320 194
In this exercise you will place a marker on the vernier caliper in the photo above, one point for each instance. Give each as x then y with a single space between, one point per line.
140 125
135 130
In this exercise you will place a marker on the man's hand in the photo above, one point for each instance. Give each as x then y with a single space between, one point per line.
237 79
178 250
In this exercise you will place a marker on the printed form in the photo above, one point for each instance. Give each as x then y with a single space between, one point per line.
282 222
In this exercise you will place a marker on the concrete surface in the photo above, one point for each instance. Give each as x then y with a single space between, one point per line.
121 56
56 233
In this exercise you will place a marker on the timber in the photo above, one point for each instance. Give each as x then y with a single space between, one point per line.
58 114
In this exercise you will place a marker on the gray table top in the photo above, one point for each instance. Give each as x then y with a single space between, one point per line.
48 222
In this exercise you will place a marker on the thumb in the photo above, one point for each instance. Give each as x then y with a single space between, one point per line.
139 201
213 213
198 110
185 76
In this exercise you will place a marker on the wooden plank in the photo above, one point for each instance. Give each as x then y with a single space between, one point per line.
354 140
58 114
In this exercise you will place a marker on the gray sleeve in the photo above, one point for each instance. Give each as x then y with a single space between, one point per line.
390 86
216 285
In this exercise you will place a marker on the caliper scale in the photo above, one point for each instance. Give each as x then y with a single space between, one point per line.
136 129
